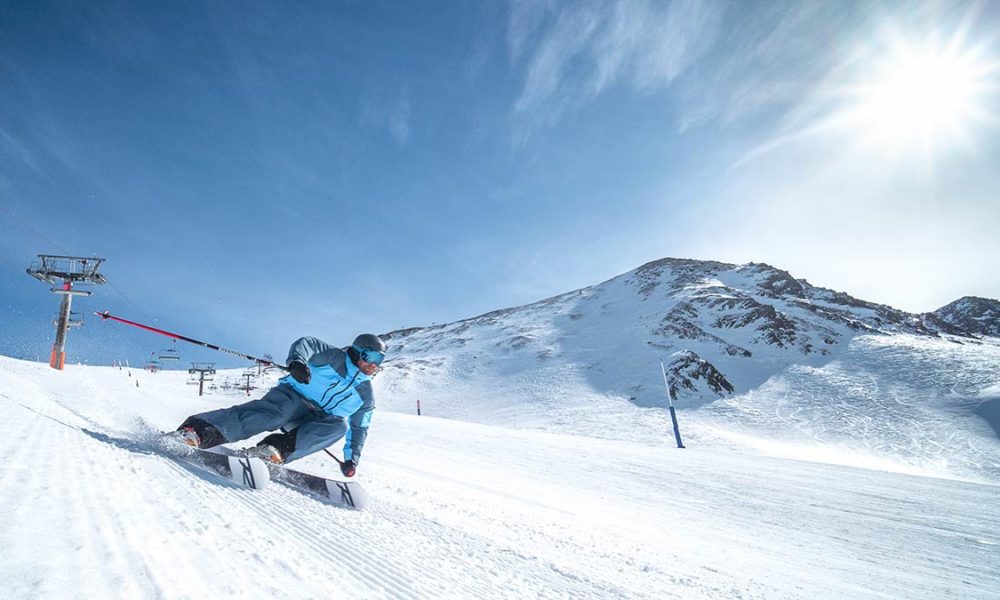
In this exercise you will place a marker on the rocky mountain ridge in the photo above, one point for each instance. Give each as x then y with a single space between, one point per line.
971 315
719 328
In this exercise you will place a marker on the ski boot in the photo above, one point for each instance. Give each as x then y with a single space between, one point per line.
266 452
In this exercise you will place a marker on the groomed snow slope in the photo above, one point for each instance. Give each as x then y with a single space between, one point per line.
459 510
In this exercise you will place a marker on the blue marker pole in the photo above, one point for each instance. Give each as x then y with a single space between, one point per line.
673 413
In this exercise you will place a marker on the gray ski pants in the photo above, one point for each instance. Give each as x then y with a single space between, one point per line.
279 407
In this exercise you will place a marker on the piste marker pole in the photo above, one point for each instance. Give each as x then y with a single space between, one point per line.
673 413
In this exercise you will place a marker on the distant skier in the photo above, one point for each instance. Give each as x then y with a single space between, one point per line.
327 394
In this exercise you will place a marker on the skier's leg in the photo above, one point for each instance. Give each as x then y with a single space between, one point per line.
311 436
239 422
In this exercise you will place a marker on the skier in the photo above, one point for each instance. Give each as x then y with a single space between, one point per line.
327 394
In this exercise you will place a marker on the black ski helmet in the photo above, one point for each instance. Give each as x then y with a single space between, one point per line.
369 341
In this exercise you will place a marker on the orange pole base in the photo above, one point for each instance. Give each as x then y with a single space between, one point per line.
57 360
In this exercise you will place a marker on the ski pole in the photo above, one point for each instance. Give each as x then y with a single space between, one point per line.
339 462
107 315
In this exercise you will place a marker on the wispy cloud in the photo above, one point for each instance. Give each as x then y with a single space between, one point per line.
32 136
399 119
724 61
769 56
390 114
15 150
574 52
44 146
526 17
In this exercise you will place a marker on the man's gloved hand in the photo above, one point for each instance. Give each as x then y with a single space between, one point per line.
348 468
299 372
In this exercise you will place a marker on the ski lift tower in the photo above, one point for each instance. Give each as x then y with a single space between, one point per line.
68 270
204 372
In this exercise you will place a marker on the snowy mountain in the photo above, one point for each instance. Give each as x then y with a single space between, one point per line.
746 322
737 341
972 316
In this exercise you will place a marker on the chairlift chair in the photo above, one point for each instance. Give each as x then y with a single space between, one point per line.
171 353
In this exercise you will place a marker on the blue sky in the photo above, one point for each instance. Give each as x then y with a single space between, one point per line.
257 171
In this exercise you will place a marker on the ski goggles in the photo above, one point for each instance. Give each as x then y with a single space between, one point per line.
370 356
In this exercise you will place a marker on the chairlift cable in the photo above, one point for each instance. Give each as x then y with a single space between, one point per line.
67 252
33 230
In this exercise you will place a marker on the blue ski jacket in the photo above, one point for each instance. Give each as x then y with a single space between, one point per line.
337 387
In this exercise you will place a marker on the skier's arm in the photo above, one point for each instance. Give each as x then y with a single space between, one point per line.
359 422
305 348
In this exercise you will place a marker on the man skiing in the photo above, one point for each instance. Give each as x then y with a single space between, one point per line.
327 394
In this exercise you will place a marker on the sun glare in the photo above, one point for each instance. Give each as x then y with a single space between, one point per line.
921 97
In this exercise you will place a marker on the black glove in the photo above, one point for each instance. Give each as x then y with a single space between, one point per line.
299 372
348 468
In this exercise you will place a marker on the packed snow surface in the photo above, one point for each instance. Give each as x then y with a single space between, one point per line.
461 510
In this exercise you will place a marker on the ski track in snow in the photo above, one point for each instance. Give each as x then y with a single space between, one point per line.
459 510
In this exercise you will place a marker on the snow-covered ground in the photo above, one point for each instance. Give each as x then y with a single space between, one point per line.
461 510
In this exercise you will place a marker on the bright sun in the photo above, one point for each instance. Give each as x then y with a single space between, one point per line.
921 97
